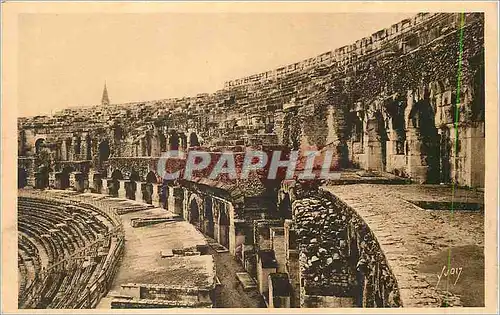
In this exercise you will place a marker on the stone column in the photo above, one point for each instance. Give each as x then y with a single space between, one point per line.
278 245
52 179
416 164
475 157
90 180
104 187
121 189
232 230
138 191
374 148
155 197
171 199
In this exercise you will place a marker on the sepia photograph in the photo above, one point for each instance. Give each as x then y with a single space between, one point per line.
249 156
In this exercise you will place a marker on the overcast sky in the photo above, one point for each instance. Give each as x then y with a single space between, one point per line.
64 59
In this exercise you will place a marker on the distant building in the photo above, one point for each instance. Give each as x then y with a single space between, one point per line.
105 98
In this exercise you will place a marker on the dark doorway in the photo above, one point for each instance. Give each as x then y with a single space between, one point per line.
224 227
22 178
104 151
194 213
209 217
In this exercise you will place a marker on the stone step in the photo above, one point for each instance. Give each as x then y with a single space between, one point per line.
246 281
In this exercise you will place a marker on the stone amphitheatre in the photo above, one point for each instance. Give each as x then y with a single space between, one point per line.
99 227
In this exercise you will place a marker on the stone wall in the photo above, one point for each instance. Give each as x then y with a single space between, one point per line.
340 261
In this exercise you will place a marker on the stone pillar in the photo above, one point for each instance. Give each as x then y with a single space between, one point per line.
278 245
52 179
155 197
475 156
266 265
416 164
104 187
292 262
121 189
90 180
232 230
373 151
138 191
185 206
171 199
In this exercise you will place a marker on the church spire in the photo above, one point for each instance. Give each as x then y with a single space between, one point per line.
105 98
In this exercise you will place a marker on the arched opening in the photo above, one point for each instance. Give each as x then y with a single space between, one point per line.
208 218
193 140
22 177
422 117
383 137
285 207
396 110
77 145
104 151
224 227
39 144
116 176
194 213
174 141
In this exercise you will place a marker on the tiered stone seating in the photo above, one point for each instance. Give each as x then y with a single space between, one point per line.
66 248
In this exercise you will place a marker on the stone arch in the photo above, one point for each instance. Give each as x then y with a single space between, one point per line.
396 111
22 177
208 217
224 223
39 145
423 121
